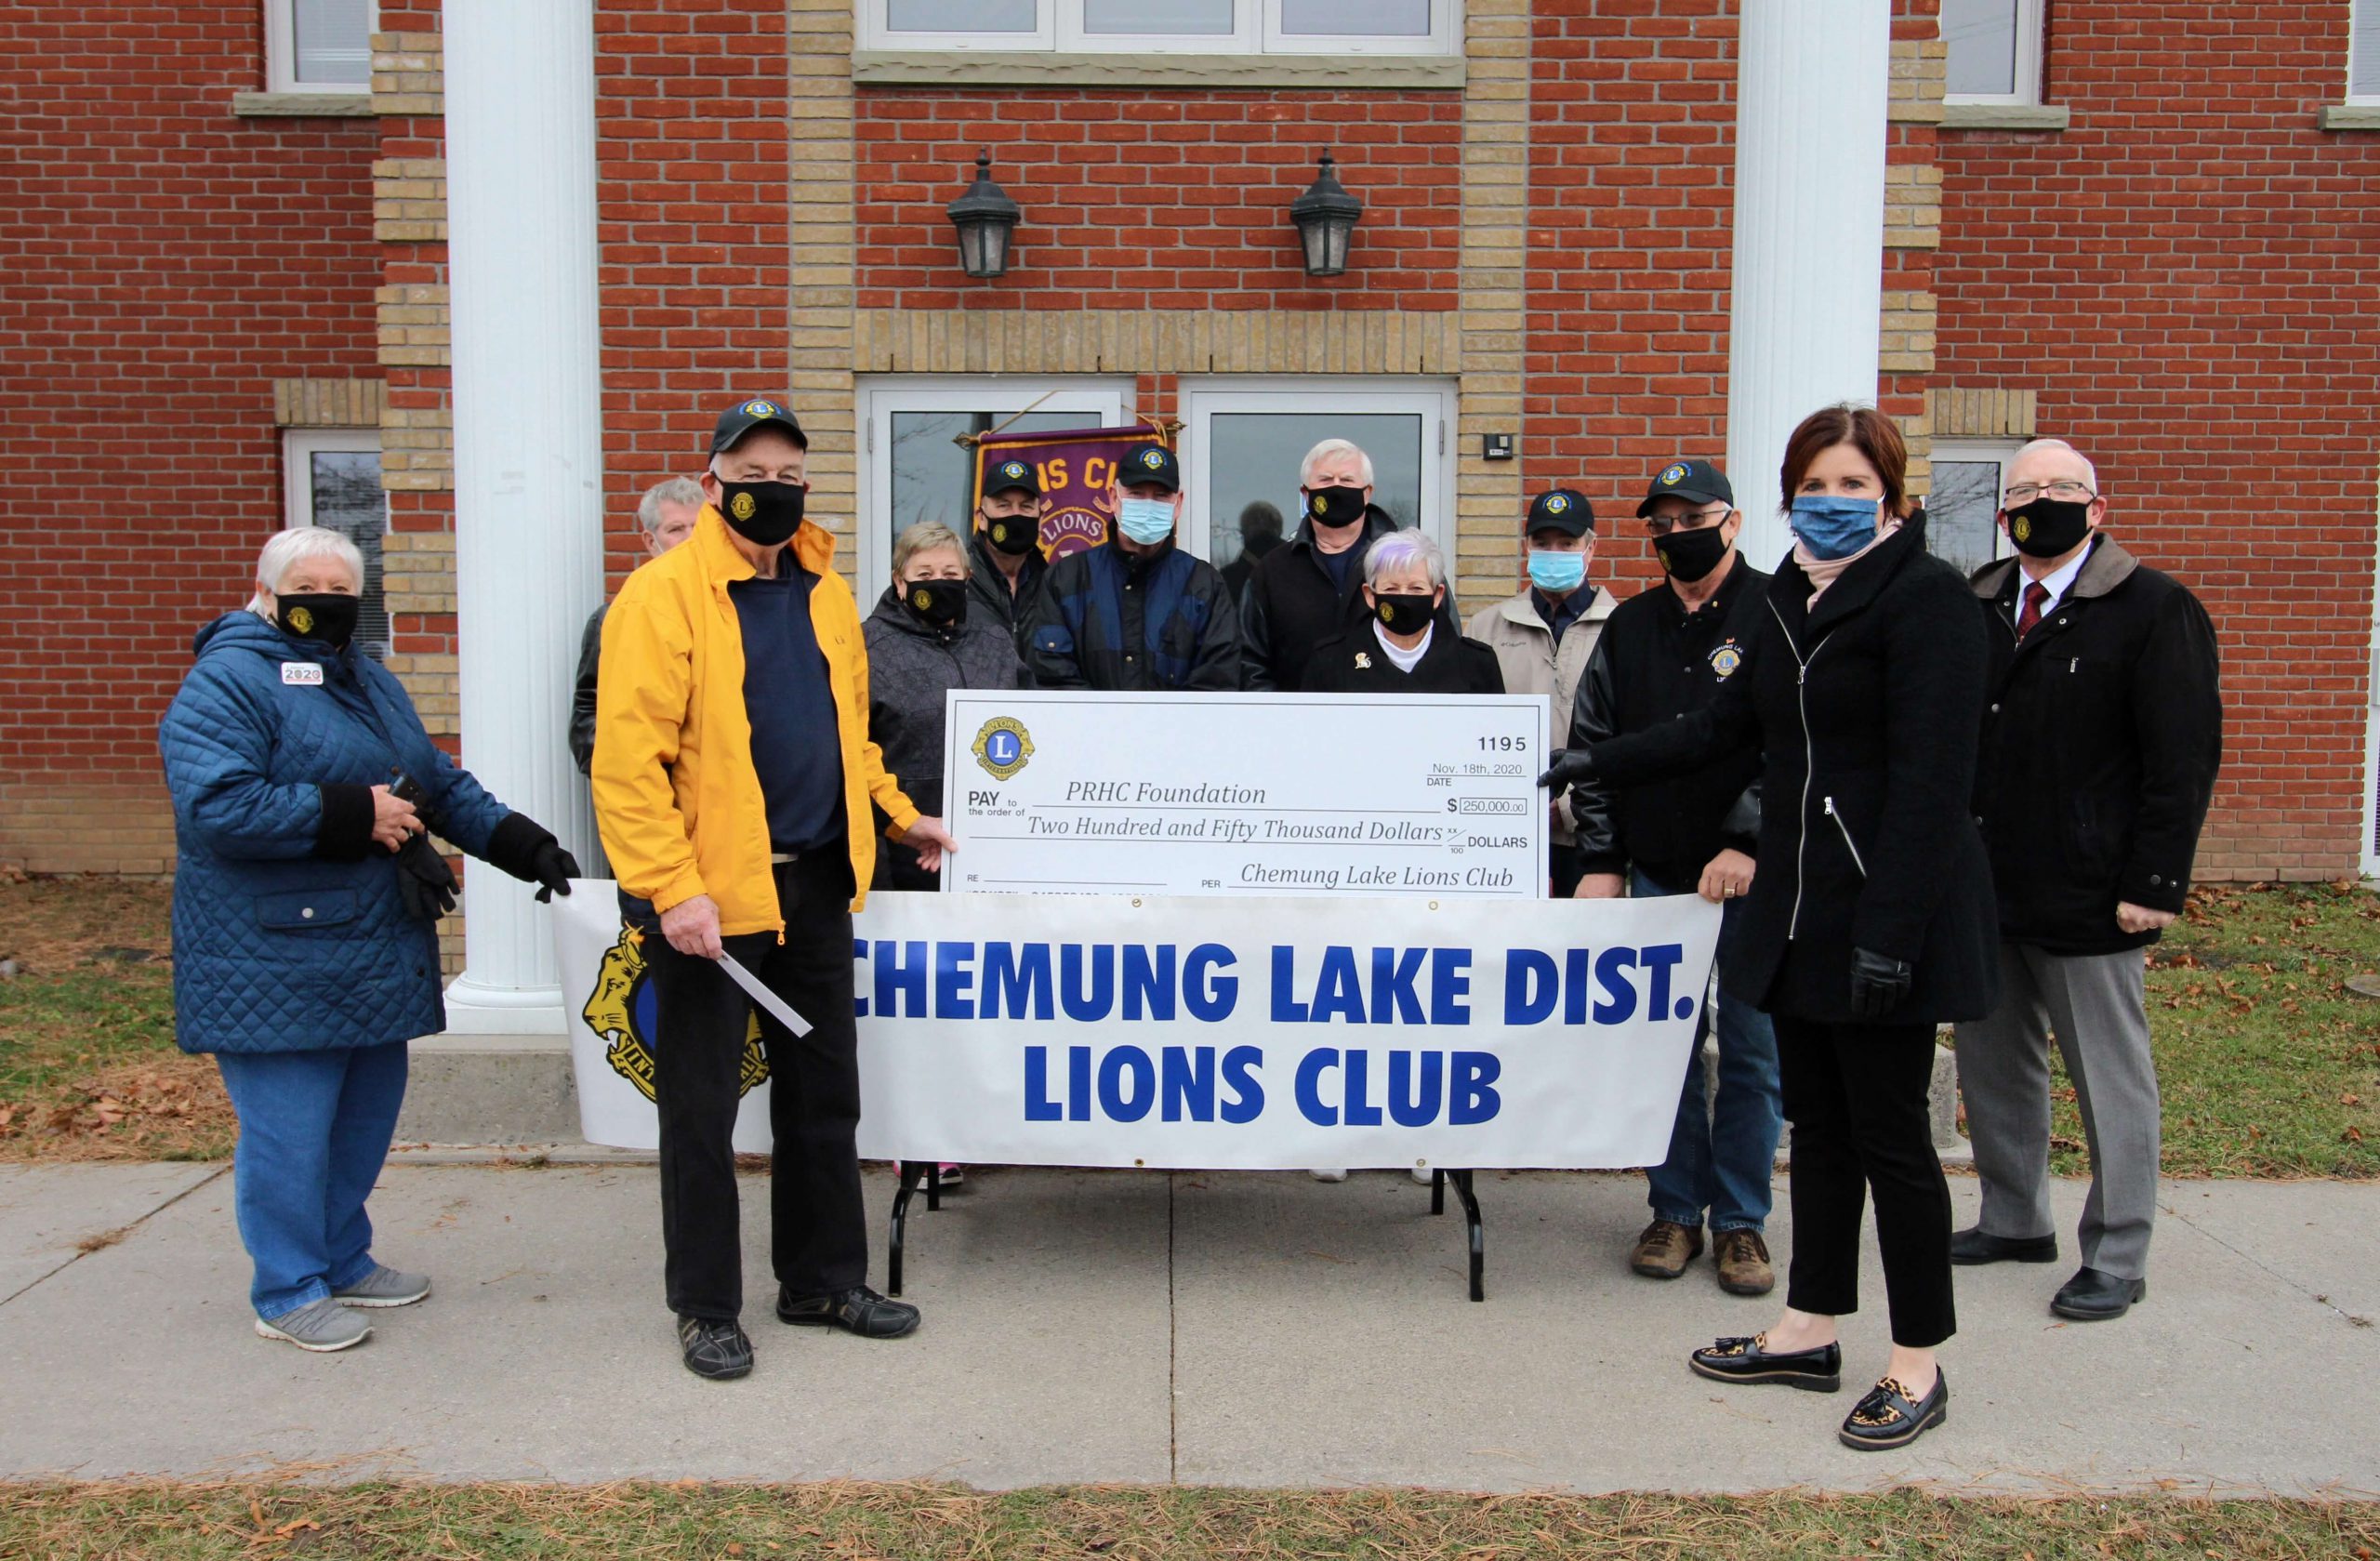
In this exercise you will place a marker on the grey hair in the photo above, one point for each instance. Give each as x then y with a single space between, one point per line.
924 537
284 550
677 490
1327 448
1399 548
2090 473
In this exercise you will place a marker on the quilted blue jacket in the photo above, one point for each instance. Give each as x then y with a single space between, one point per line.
288 931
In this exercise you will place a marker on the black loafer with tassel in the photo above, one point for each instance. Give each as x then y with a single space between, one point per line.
1749 1360
1887 1417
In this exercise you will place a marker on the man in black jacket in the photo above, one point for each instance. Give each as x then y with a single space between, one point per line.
1136 613
1310 588
2101 739
1005 584
665 517
1662 652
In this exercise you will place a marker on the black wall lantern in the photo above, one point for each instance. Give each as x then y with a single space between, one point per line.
985 219
1326 215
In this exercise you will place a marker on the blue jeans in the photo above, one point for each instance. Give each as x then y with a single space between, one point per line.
314 1131
1720 1158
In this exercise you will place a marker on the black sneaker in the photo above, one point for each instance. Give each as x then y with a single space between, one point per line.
715 1349
858 1310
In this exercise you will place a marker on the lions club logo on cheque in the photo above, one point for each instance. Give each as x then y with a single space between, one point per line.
624 1010
1003 747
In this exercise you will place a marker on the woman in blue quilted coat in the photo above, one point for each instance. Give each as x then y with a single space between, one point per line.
306 900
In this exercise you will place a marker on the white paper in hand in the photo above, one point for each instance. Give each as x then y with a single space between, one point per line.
770 1002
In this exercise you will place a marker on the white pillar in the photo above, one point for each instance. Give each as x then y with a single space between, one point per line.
1812 82
528 455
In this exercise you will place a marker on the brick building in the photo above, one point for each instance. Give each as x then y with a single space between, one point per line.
1617 231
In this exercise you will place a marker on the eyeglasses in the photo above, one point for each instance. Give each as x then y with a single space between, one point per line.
1662 525
2065 491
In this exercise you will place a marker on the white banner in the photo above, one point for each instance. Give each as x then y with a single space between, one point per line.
1060 791
1249 1034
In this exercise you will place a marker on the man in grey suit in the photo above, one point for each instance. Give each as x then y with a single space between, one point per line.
2101 739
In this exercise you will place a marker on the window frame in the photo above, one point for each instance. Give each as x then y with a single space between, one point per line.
1445 36
2357 13
280 51
1075 38
1999 451
1431 397
2033 26
1256 30
1101 398
297 448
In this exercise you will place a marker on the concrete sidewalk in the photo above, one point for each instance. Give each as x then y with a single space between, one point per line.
1142 1326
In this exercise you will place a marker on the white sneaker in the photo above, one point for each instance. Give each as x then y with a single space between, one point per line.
1338 1175
384 1286
319 1325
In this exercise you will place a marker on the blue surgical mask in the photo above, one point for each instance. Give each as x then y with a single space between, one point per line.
1557 574
1834 527
1145 520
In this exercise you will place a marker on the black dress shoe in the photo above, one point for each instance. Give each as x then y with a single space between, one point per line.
1974 1246
1746 1360
715 1349
2091 1296
1886 1417
858 1310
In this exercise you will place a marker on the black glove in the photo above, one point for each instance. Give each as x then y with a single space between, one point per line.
1570 766
1878 984
528 850
424 880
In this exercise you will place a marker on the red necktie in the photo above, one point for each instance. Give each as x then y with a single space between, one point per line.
2036 598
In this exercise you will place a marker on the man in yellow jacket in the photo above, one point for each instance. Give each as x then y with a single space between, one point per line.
733 782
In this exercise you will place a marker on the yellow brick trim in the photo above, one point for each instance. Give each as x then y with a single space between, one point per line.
328 403
1912 206
1978 413
822 335
417 449
1491 325
1150 341
413 325
1920 71
409 200
408 74
1908 339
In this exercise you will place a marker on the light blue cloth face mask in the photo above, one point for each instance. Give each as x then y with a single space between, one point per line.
1145 520
1834 527
1557 574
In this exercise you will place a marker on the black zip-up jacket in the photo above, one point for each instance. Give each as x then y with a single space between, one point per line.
1864 709
1450 664
1291 606
582 693
1109 619
910 668
1654 661
988 593
2101 740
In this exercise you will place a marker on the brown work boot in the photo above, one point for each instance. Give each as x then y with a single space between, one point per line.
1665 1248
1743 1258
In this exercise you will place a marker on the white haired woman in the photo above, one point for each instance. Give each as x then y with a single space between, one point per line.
1405 648
306 898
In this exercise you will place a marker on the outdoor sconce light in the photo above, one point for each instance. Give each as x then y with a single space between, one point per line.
1326 215
985 219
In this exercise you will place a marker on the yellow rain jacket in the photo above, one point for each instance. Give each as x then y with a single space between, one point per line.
676 796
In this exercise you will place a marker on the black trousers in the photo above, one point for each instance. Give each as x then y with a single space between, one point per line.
1856 1097
818 1227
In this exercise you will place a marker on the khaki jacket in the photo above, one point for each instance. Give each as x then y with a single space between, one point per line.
1533 664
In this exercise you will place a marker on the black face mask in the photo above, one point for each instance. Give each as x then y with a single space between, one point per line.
763 513
1403 615
1013 534
936 603
1689 555
1335 506
2049 527
327 617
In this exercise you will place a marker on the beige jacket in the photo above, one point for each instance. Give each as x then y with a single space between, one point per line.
1533 664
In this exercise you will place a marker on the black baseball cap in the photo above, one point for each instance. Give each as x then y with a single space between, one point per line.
1698 481
746 416
1150 463
1563 509
1002 476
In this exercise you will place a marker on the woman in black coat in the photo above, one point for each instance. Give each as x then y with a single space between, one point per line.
1405 648
1871 918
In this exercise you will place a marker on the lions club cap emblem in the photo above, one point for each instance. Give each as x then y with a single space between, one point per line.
761 409
301 620
1003 747
1153 459
1672 475
624 1012
1013 470
741 506
1556 503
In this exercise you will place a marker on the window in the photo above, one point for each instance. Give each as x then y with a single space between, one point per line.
1244 439
319 45
1962 512
2363 53
1995 50
911 469
1166 26
331 477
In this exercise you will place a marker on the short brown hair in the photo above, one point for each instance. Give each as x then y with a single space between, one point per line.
1874 434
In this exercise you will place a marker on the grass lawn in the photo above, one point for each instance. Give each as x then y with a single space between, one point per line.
2270 1066
852 1522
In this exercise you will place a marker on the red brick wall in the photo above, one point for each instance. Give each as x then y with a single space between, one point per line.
1632 157
2191 275
160 264
1159 200
691 138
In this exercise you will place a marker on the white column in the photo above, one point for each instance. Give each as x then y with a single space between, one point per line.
1812 82
528 455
